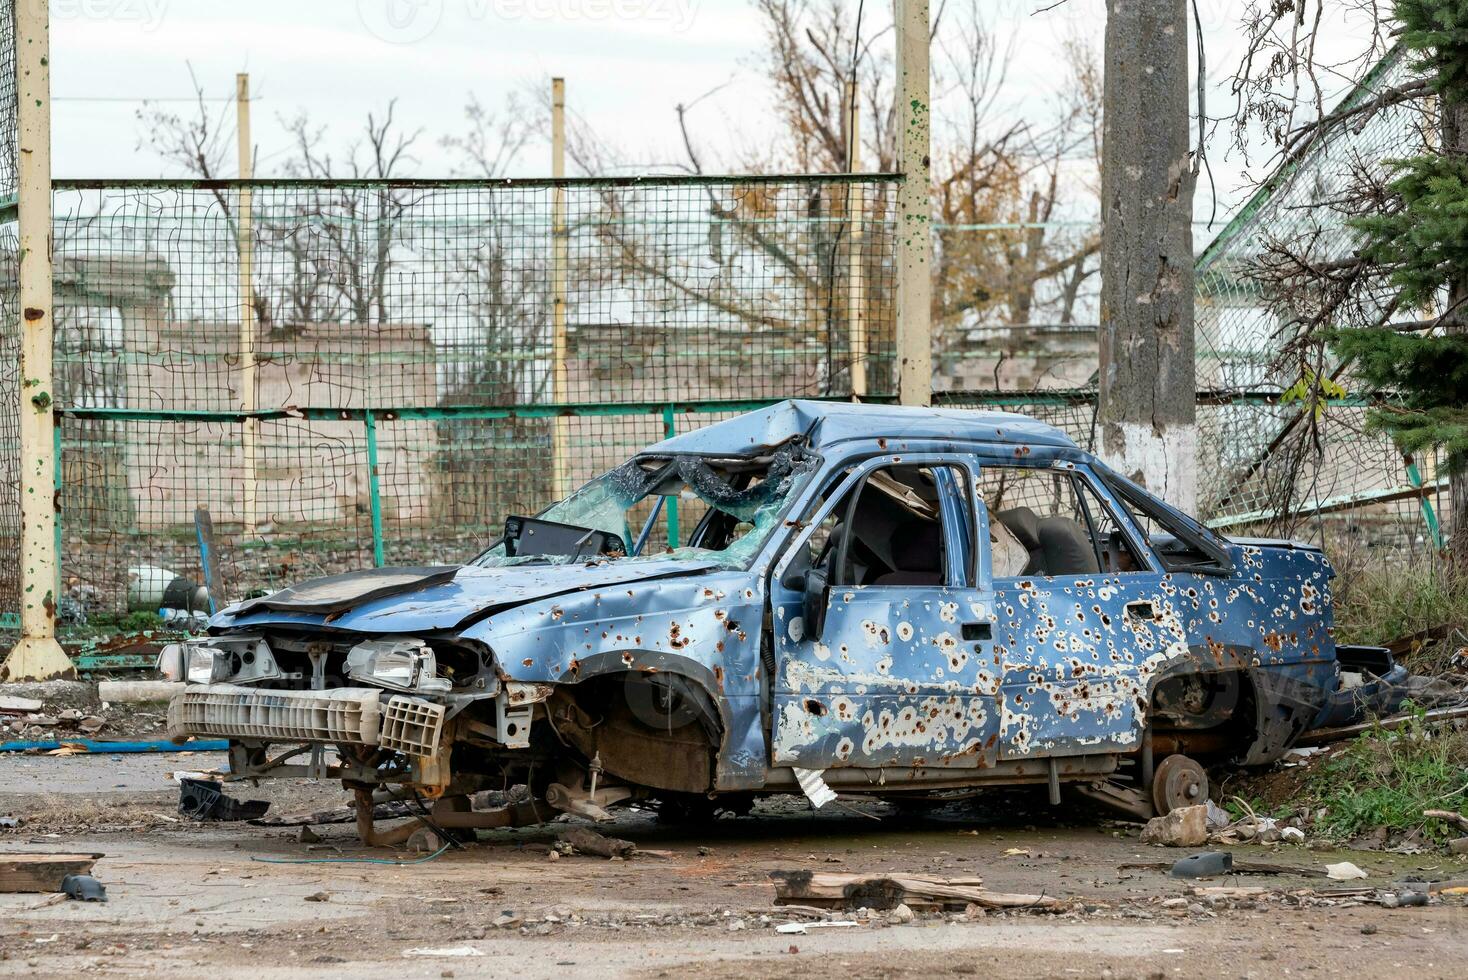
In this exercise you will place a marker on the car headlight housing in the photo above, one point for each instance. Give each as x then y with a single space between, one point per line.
400 664
215 659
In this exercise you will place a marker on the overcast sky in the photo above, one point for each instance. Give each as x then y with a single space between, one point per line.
627 64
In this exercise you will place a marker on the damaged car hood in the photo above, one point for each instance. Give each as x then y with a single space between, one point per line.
414 600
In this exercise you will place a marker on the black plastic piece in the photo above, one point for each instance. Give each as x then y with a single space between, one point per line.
1204 865
83 888
204 799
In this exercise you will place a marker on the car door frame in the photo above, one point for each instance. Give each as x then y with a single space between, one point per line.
834 681
1052 704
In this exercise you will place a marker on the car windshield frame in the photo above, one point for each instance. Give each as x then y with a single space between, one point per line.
602 504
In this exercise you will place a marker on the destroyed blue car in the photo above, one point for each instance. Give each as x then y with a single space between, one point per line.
902 603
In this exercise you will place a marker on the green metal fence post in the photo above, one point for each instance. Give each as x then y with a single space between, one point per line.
1429 514
372 488
669 431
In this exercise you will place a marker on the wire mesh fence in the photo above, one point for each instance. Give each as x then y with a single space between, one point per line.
353 371
1291 466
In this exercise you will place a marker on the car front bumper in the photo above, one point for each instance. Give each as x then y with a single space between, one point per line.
341 716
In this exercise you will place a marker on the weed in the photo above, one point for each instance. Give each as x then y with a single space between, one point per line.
1387 778
1383 598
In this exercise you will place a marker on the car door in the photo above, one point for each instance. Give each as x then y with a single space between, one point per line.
877 664
1083 625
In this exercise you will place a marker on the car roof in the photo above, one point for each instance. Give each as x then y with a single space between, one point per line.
829 423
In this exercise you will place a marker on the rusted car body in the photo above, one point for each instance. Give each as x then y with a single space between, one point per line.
903 603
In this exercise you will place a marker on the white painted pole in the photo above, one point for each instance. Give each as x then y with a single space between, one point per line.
856 341
914 224
559 248
37 656
245 244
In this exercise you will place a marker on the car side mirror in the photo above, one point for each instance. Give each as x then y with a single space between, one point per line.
814 602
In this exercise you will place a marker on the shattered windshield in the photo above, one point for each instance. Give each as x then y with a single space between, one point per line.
714 509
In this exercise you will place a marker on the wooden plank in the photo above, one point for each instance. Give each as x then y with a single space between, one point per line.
41 872
885 891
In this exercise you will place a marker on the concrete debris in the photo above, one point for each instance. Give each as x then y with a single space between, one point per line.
19 706
1184 827
587 841
1344 871
134 692
450 951
901 915
801 928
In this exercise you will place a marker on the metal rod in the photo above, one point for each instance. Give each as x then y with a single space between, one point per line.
560 449
37 655
856 345
670 429
244 243
1429 513
374 490
428 183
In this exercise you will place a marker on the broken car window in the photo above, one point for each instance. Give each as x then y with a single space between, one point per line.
722 509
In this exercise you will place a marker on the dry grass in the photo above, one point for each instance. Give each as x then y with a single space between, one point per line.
1382 596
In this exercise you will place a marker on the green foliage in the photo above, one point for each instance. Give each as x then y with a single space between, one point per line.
1428 374
1316 387
1437 31
1419 240
1387 778
1422 241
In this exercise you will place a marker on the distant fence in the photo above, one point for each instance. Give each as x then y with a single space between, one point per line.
356 371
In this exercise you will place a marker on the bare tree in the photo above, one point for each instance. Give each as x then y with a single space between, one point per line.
354 212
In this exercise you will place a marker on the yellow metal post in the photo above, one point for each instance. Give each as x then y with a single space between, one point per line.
245 246
560 451
856 341
37 656
914 225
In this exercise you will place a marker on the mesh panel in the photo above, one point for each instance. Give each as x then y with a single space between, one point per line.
385 388
1277 465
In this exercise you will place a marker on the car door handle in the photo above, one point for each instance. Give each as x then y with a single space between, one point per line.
978 631
1140 610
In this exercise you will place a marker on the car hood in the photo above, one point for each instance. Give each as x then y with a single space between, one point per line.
416 600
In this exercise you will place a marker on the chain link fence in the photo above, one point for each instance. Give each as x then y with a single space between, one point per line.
350 372
1281 464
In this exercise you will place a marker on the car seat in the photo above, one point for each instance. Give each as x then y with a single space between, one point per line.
917 555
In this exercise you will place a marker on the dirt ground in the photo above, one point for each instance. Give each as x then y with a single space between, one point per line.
191 899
